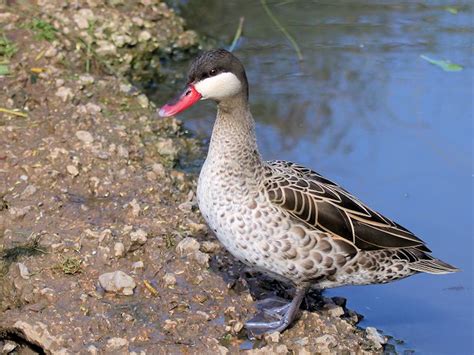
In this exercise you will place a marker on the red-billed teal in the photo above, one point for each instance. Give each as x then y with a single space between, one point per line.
281 218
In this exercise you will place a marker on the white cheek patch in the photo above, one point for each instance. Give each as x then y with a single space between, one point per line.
219 86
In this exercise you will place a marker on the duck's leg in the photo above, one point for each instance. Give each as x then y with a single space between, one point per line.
275 315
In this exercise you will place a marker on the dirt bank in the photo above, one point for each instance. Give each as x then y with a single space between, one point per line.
102 247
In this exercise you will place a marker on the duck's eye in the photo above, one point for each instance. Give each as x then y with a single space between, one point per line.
212 72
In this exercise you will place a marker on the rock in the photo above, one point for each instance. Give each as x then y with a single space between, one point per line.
64 93
144 36
19 212
210 247
83 17
116 343
24 273
92 350
118 282
9 347
326 340
143 100
119 249
187 246
332 310
138 237
85 137
273 337
51 52
135 207
86 79
28 191
374 336
166 146
158 169
169 279
105 48
38 333
201 258
72 170
137 265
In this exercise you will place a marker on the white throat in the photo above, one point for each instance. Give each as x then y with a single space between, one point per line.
219 87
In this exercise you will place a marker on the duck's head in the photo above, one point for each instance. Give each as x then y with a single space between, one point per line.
216 75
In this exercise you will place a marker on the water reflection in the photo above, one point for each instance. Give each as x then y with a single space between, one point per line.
365 110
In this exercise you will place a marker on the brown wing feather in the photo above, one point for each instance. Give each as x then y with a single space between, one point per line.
324 205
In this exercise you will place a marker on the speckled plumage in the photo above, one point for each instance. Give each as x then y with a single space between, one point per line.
286 220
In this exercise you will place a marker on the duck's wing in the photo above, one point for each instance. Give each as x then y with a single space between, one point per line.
325 206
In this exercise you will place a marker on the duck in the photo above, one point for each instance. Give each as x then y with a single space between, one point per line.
281 218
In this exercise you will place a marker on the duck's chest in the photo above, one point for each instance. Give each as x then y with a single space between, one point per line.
227 197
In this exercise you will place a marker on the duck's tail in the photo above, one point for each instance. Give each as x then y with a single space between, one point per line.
421 261
433 266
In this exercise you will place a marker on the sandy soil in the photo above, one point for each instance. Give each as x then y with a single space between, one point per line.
102 247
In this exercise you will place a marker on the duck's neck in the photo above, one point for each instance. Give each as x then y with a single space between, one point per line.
233 138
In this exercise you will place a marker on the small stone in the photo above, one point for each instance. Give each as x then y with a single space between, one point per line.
281 349
169 324
135 207
119 249
273 337
85 137
166 146
333 311
92 350
125 88
144 36
201 258
24 272
210 247
64 93
93 109
138 265
302 341
187 246
9 347
19 212
51 52
374 336
138 237
203 314
118 282
326 341
143 100
28 191
116 343
83 17
86 79
169 279
106 48
158 169
222 350
72 170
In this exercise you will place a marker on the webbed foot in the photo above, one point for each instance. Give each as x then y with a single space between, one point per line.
275 315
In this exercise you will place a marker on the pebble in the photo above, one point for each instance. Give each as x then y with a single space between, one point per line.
85 137
273 337
158 169
86 79
201 258
118 282
333 311
9 347
143 100
72 170
169 279
28 191
210 247
144 36
138 237
64 93
187 246
83 17
166 146
137 265
24 272
374 336
119 249
116 343
19 212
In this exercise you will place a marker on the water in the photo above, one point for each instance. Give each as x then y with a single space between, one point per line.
364 110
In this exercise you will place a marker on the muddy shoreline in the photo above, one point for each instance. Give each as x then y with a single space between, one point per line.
102 247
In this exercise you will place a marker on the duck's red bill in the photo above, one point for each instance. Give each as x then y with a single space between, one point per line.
188 98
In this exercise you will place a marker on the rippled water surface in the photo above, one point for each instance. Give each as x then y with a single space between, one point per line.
366 111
